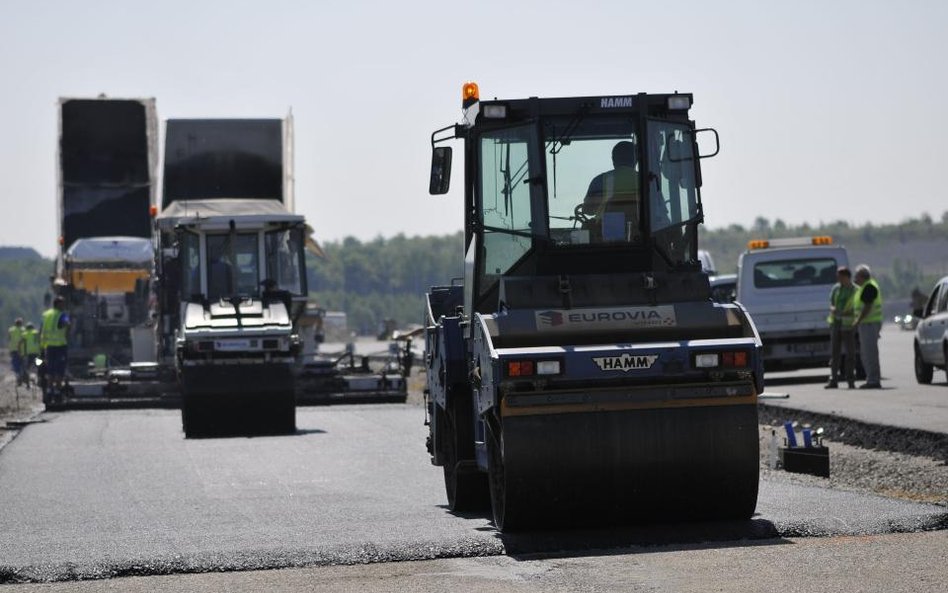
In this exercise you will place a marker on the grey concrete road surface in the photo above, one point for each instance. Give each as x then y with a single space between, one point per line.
902 402
116 493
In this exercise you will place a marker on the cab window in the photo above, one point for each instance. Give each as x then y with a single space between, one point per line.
189 255
930 307
795 272
943 298
505 195
284 251
232 265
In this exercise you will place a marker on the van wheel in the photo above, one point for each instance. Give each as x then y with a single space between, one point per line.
923 370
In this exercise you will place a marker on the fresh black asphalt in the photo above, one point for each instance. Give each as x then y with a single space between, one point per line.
95 494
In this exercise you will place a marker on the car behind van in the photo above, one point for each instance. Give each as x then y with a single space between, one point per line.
931 334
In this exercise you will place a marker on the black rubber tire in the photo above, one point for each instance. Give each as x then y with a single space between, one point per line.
466 488
923 370
508 512
496 479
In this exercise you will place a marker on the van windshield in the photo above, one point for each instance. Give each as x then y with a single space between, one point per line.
795 272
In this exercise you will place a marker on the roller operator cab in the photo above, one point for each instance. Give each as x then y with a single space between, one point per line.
581 373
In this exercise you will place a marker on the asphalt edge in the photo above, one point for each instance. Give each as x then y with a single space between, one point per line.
14 425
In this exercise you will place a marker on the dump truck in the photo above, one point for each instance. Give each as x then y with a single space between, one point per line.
580 373
107 157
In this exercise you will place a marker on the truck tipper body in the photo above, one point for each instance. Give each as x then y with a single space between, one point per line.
107 157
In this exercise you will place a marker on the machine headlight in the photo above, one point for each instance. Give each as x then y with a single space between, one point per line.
495 111
679 102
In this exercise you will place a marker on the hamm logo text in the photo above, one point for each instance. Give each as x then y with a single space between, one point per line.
626 362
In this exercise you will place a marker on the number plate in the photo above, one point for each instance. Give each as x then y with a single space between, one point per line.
810 347
231 345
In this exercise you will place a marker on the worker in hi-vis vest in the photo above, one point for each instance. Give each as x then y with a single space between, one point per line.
15 334
613 198
841 316
29 348
867 303
53 341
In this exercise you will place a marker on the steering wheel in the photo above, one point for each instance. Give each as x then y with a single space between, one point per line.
580 216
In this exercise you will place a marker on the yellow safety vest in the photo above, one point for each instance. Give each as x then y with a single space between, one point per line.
30 342
53 335
16 333
841 297
620 188
875 311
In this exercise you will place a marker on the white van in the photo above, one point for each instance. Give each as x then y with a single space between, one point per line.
785 285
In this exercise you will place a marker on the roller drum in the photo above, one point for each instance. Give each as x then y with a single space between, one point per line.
607 467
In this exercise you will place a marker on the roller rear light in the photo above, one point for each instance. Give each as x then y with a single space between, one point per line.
532 368
727 359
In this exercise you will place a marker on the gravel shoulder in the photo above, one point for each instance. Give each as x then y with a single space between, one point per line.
890 472
16 403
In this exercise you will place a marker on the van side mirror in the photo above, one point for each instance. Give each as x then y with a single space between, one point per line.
440 170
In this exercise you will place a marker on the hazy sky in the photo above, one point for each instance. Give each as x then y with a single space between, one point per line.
826 110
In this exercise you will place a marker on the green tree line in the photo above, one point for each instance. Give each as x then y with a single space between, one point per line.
24 279
387 278
383 278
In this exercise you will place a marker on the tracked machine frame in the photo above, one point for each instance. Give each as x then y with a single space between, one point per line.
580 374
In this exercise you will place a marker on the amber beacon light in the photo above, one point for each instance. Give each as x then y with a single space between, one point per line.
470 94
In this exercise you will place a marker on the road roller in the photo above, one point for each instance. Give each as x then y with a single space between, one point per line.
578 372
